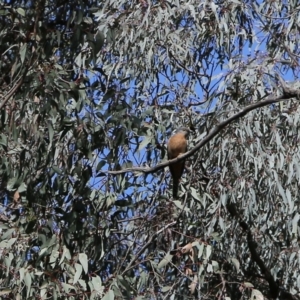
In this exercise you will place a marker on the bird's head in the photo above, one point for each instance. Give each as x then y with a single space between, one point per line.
184 130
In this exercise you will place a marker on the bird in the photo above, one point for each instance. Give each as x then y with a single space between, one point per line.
177 145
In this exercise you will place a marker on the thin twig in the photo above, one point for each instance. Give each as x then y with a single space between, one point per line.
136 257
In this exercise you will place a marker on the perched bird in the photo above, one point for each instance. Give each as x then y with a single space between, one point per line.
177 145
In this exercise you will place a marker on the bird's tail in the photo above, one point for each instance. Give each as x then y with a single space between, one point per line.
175 187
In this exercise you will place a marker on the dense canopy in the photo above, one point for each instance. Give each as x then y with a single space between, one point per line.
90 93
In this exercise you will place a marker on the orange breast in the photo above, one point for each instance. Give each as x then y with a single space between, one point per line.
177 145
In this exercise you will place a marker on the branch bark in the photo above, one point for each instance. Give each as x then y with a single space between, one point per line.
276 291
12 92
288 93
140 252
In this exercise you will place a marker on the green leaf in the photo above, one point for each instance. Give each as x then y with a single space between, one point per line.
3 140
195 195
66 254
10 242
8 233
256 295
236 263
22 188
248 284
21 11
208 251
11 184
5 292
84 261
109 295
166 289
145 142
57 170
22 273
51 132
78 273
67 287
168 257
28 282
23 51
97 283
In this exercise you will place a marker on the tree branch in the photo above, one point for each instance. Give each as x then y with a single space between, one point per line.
275 289
137 256
12 91
288 93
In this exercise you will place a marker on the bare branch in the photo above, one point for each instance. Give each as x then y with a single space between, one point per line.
11 92
288 93
275 289
136 257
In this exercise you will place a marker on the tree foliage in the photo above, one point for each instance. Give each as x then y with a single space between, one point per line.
90 93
